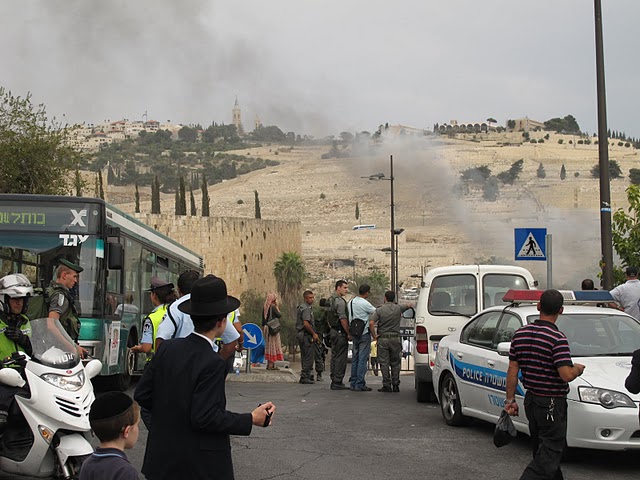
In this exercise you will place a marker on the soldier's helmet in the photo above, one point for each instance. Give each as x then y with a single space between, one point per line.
15 285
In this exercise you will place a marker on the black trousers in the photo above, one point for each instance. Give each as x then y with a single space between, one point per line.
548 428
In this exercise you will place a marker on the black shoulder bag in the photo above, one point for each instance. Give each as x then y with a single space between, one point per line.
356 326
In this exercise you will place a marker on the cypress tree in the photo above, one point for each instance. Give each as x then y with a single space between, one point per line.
357 211
563 172
541 173
100 189
155 196
257 202
137 197
193 203
177 202
205 196
183 197
96 190
78 184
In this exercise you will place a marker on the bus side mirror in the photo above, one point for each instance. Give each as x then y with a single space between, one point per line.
115 256
409 313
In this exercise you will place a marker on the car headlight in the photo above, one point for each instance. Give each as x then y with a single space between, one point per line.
71 383
606 398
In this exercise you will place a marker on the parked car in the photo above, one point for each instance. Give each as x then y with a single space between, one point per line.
470 371
448 298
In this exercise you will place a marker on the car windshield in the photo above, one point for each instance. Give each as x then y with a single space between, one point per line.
51 344
595 334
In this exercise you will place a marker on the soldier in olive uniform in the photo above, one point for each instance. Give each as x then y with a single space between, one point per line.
387 321
61 302
339 334
319 349
307 336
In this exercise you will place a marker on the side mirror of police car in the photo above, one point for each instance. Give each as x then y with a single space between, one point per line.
11 377
503 348
92 368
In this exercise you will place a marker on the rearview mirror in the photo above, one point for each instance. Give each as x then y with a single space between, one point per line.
11 377
116 256
409 313
92 368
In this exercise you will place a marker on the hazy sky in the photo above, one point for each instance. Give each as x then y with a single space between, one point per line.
321 66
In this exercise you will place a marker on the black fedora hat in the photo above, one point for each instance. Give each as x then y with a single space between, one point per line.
209 298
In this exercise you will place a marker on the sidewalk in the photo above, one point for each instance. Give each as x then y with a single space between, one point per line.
290 371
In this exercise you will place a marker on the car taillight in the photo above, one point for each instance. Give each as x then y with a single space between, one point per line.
422 341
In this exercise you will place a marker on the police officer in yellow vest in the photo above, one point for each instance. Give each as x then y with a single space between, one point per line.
61 302
15 329
162 294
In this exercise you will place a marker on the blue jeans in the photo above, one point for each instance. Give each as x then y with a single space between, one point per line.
360 360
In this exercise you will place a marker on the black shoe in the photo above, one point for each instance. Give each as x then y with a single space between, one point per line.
352 388
339 386
319 377
311 378
375 372
385 389
363 389
396 389
3 422
307 381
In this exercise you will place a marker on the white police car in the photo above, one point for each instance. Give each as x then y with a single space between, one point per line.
470 371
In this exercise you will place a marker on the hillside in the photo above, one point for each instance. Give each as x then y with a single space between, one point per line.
441 227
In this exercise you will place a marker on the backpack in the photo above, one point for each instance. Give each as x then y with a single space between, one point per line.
38 306
332 317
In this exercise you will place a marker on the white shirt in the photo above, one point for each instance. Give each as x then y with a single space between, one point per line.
184 325
628 295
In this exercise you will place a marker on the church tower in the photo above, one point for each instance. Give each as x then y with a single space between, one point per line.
237 117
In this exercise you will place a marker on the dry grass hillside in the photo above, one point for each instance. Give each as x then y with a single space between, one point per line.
441 227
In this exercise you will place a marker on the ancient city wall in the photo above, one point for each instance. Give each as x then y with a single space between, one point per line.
240 250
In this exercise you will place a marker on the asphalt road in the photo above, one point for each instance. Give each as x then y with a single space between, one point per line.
319 434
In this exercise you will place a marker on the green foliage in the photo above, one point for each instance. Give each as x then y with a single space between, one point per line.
100 186
560 141
634 176
240 201
626 230
35 152
567 124
357 211
491 189
546 137
137 200
614 170
182 197
379 283
205 196
257 204
268 134
476 174
525 135
533 140
512 174
322 196
541 173
290 274
177 210
155 196
78 183
188 134
576 174
252 305
511 124
194 210
491 120
563 172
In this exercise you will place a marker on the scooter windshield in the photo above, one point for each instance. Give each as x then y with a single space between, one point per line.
51 345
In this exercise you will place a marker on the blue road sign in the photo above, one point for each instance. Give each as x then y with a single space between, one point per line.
531 243
252 335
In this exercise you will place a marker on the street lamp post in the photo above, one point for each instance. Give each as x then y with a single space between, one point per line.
392 246
396 233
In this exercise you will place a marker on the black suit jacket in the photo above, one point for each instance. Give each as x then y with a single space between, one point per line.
183 386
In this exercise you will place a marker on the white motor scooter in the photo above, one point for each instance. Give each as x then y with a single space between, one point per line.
48 434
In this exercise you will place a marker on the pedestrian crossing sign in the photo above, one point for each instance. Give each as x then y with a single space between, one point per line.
531 243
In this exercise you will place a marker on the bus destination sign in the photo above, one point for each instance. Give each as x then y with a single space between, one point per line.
48 218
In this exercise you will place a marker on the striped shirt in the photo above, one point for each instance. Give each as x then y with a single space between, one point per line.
540 349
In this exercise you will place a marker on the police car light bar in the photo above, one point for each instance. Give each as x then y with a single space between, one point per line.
570 296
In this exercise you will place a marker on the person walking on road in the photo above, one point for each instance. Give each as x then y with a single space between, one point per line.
387 327
307 336
541 352
184 386
628 294
339 334
359 308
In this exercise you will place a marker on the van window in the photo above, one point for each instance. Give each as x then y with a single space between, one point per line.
495 285
453 294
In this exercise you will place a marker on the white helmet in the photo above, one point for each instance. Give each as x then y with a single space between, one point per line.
15 286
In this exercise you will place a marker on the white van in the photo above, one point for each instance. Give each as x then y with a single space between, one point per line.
449 297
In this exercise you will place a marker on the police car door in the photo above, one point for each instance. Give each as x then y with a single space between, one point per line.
474 360
497 381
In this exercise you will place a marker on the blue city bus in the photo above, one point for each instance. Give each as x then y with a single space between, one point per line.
119 255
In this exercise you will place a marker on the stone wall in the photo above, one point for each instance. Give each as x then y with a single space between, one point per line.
240 250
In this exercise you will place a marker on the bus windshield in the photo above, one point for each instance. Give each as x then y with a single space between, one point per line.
34 237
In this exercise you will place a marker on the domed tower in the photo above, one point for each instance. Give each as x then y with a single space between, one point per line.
237 117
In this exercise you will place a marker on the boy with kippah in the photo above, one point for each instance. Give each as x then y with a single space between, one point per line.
114 418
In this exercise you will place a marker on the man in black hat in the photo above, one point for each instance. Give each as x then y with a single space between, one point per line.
183 386
628 294
61 302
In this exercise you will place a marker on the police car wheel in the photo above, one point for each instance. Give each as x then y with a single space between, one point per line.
450 403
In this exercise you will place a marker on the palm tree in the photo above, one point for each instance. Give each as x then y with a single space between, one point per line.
290 274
